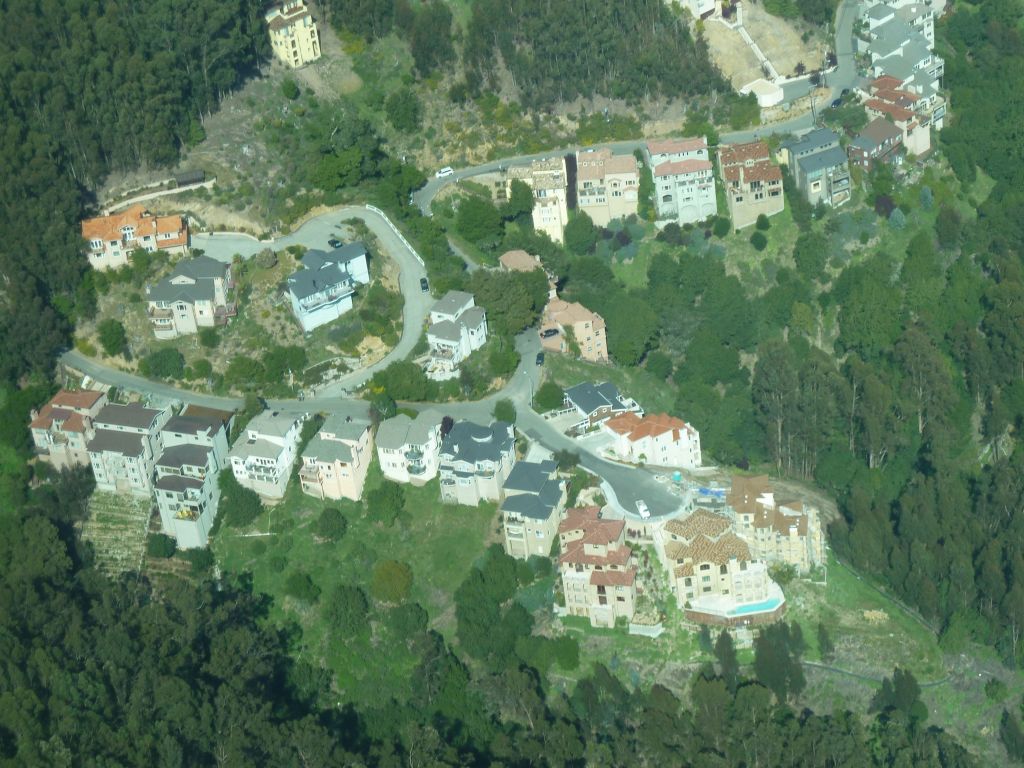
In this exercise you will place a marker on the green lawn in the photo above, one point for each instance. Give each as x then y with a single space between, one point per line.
637 383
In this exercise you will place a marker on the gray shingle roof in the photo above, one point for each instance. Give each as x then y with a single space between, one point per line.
812 141
124 443
346 427
192 425
590 397
829 158
177 483
315 259
178 456
537 506
446 330
451 302
202 269
272 423
530 476
880 12
399 430
309 282
260 448
471 442
327 450
135 416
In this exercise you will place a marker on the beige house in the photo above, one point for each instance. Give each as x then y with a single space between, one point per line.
409 449
547 179
655 439
62 428
293 34
597 568
335 462
195 295
753 183
779 531
684 181
607 185
475 461
124 446
567 322
111 239
519 261
533 506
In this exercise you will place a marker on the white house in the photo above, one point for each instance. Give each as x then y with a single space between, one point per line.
409 449
457 328
193 296
322 290
293 33
262 457
475 461
124 447
187 493
655 439
684 181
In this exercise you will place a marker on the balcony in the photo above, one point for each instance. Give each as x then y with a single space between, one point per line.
417 469
331 296
153 312
309 474
414 454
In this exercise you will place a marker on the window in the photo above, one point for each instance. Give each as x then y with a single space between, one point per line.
705 579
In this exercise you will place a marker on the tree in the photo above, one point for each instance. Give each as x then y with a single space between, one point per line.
728 666
810 252
549 397
239 506
300 586
520 203
391 581
502 359
826 647
163 364
659 364
759 241
290 89
386 503
505 410
202 369
722 226
402 380
897 219
331 525
112 336
346 610
580 234
403 110
948 227
762 222
160 545
478 221
209 337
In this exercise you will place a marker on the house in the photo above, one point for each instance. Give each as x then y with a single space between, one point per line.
568 326
780 531
293 33
322 290
187 493
262 456
112 238
457 329
885 97
203 427
684 182
534 501
547 179
878 142
519 261
654 439
716 578
474 462
819 167
124 446
62 428
607 185
701 9
597 568
594 403
335 463
409 449
753 182
195 295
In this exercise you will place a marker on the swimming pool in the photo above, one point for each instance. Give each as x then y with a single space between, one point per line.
765 606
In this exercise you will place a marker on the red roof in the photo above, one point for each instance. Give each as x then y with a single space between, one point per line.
672 146
731 154
885 82
898 113
637 428
682 166
613 578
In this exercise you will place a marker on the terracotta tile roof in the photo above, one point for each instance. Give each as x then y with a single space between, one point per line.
682 166
671 146
65 406
898 113
652 425
596 531
885 82
701 522
731 154
566 313
574 554
519 261
624 578
75 422
718 551
82 399
894 96
745 492
777 519
109 227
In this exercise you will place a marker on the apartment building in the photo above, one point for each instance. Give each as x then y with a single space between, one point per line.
475 461
323 289
457 329
547 179
753 182
684 182
409 449
607 185
597 568
335 463
885 97
569 326
819 166
262 458
187 493
197 294
293 34
112 238
534 502
206 428
124 446
654 439
878 142
62 429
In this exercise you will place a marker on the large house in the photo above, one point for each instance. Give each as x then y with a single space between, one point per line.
568 326
293 33
204 427
753 183
112 238
607 185
474 462
335 462
819 167
322 290
534 501
262 457
409 449
547 179
654 439
457 328
596 566
195 295
878 142
187 493
519 260
62 428
124 446
886 98
684 182
594 403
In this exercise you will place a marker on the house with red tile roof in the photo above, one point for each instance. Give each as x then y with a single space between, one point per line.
597 568
753 182
885 97
684 180
779 531
112 238
62 428
656 439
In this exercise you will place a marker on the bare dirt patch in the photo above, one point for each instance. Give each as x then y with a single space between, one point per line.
731 54
781 40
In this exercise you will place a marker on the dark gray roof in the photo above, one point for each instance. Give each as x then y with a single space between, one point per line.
178 456
875 133
125 443
452 302
471 442
830 158
472 317
135 415
446 330
308 282
880 12
202 269
590 397
538 506
192 425
530 476
813 141
316 259
177 483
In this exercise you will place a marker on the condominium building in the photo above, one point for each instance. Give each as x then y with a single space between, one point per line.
335 463
409 449
187 493
475 461
197 294
262 457
607 185
571 327
124 446
457 329
547 179
753 183
684 182
293 34
62 428
534 502
112 238
597 568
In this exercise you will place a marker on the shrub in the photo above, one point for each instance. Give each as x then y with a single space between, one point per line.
290 89
202 369
163 364
897 219
995 689
549 397
762 222
346 610
239 506
300 586
391 581
201 560
161 545
331 525
759 241
209 337
721 227
113 338
83 346
386 503
505 410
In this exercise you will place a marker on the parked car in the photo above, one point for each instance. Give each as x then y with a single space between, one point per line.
547 333
837 103
540 358
424 285
642 510
445 172
334 242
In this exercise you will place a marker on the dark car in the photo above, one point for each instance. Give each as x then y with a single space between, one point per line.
837 103
334 242
548 333
846 92
424 285
540 358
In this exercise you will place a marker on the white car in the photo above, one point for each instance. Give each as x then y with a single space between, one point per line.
445 172
641 508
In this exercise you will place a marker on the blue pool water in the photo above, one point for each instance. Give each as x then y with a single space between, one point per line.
764 606
716 493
